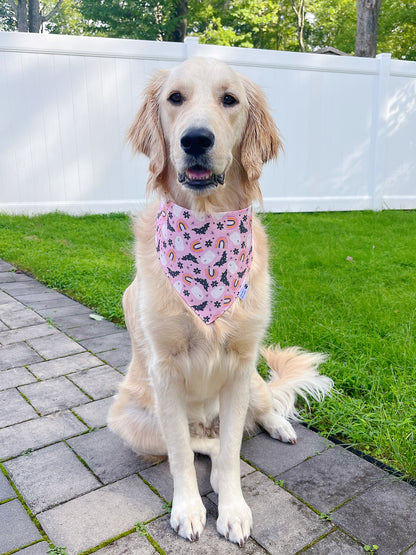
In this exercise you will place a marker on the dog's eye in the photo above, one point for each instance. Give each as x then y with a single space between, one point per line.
176 98
229 100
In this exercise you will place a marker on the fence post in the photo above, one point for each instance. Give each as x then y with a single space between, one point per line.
191 46
378 130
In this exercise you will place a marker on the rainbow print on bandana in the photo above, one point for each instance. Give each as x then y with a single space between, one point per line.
205 256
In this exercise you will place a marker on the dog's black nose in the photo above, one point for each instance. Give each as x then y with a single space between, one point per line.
197 141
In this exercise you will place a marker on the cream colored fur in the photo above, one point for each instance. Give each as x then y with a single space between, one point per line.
192 387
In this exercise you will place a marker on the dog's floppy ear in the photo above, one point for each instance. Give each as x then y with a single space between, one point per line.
145 133
261 140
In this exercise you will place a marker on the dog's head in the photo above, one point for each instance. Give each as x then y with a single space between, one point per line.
204 127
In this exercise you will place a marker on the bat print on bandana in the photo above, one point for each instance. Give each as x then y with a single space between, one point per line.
204 256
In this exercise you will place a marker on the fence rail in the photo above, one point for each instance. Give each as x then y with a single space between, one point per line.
349 124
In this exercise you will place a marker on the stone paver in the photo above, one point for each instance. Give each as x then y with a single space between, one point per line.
329 479
50 476
100 515
38 433
40 548
365 516
53 395
133 543
21 318
14 377
6 490
87 489
14 408
117 358
64 365
107 456
336 543
98 382
274 457
107 342
94 414
55 346
17 529
23 334
17 354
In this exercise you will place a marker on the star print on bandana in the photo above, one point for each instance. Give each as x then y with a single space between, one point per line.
205 256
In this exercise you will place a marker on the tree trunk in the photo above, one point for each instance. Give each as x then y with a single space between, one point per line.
181 13
20 9
299 8
367 27
35 18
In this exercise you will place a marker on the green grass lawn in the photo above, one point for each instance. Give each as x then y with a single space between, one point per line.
345 284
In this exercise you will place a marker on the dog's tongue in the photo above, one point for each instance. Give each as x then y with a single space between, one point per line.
198 173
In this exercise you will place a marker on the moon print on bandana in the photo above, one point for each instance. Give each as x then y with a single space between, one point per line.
205 256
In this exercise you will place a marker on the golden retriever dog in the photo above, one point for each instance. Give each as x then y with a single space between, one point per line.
199 306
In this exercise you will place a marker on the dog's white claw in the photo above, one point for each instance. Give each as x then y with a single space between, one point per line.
188 519
235 522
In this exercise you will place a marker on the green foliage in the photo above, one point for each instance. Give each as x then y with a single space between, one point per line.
270 24
397 29
57 551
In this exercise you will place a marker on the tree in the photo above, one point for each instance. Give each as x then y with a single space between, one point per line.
368 12
299 9
28 16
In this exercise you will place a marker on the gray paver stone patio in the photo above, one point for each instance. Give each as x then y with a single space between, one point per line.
61 478
6 490
50 476
94 414
53 395
274 457
107 456
58 345
64 365
384 515
14 408
336 543
100 515
98 382
327 480
14 377
132 544
37 433
17 354
209 542
17 529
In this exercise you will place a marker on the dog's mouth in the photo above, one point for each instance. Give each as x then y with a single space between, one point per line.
199 178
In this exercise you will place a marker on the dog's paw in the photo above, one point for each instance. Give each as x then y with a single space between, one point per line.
188 518
235 522
278 427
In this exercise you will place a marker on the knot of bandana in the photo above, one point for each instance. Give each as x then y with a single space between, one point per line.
205 256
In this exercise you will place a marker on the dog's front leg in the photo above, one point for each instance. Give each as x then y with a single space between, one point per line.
188 514
234 515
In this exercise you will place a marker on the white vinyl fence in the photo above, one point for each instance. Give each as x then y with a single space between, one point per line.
349 124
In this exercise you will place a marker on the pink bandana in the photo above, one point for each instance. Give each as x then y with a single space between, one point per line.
206 257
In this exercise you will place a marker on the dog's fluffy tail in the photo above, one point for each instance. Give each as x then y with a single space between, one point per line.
295 372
